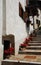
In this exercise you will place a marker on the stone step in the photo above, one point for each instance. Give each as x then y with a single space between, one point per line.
30 53
36 39
33 52
34 44
38 36
33 47
23 61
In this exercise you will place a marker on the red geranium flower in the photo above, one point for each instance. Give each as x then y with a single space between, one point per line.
6 51
23 44
11 50
30 38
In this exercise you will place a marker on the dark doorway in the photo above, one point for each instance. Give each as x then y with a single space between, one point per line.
6 47
6 44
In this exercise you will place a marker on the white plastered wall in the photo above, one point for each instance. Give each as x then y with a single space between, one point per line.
1 20
14 24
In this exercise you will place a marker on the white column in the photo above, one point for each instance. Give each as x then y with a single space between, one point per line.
4 17
39 18
31 26
1 20
35 25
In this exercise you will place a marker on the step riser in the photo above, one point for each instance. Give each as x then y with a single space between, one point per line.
34 48
36 40
34 44
31 53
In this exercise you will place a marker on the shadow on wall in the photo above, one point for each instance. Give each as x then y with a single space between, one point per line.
24 15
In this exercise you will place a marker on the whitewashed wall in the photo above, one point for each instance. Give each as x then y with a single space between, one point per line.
23 3
1 46
14 24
